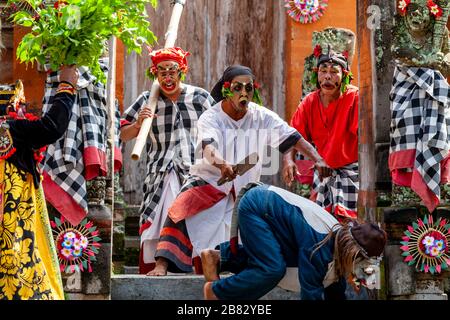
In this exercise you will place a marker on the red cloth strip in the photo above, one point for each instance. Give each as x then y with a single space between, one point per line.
177 234
62 201
193 201
144 227
180 255
94 163
306 171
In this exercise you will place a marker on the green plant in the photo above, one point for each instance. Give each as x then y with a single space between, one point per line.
76 31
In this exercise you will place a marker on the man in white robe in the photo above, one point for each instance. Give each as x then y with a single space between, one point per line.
228 133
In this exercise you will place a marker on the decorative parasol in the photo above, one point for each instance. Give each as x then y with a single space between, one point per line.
76 246
306 11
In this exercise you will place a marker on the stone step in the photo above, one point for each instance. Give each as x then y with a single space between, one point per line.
173 287
132 242
132 220
130 270
132 211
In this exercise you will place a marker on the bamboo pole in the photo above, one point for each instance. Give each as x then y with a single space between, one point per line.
171 36
111 108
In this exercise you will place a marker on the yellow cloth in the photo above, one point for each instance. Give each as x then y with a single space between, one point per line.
28 261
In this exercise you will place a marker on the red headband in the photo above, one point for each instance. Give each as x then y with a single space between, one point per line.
175 54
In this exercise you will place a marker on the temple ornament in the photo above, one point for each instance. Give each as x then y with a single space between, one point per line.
306 11
415 22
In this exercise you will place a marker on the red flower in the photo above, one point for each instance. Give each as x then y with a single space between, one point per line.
59 3
437 235
256 85
227 85
317 51
435 10
403 6
345 54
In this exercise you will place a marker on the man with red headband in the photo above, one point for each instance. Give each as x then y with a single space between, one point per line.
328 118
170 146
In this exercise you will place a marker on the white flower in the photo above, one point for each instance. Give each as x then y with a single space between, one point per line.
69 235
428 241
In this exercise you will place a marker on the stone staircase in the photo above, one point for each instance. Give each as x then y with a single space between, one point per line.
172 287
126 240
127 284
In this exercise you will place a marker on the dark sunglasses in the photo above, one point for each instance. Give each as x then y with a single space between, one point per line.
237 87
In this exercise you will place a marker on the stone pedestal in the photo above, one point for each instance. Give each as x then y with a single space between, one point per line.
98 282
403 281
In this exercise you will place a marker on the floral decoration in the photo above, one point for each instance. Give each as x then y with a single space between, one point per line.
403 6
425 245
317 50
226 90
306 11
76 246
435 10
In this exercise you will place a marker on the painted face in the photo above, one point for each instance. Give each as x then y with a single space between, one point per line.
366 272
330 77
168 75
418 17
243 90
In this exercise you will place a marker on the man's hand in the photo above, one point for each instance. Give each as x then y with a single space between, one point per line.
227 172
323 169
69 74
289 172
143 114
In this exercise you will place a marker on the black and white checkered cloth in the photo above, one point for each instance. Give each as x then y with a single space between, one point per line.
340 189
421 120
171 142
87 128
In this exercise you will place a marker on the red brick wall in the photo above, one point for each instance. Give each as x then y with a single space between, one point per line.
340 14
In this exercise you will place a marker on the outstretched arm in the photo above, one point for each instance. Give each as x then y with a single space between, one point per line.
54 123
304 147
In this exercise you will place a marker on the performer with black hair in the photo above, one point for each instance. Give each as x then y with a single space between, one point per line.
328 118
284 232
233 137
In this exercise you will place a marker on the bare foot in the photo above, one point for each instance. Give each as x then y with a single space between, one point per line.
160 268
210 264
208 292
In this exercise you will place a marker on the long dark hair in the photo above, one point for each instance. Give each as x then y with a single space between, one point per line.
346 249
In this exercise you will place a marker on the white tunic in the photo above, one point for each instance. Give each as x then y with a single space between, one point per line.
258 130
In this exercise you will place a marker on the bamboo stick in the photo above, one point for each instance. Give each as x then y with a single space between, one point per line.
171 36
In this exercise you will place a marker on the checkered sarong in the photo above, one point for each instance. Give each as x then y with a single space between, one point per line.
420 130
64 162
171 142
339 192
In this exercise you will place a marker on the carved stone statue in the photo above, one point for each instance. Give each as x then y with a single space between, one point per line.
340 40
421 37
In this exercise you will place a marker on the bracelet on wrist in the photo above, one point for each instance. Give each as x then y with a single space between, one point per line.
66 87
